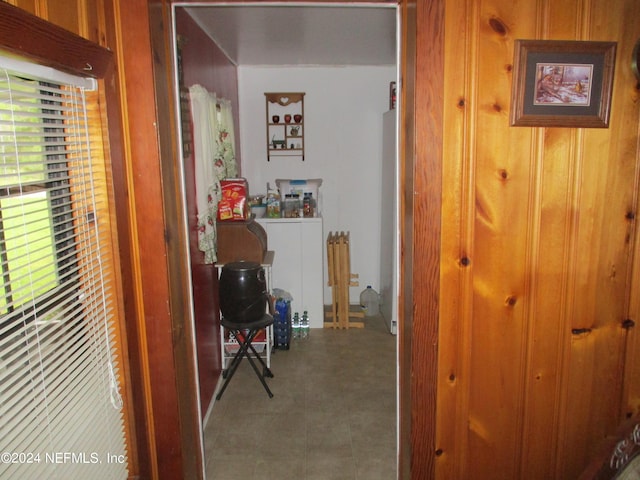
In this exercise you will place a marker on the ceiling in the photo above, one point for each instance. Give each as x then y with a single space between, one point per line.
277 35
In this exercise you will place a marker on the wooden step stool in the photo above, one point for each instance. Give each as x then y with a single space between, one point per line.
340 279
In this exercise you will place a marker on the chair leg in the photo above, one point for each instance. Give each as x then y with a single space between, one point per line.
233 366
260 375
235 362
265 369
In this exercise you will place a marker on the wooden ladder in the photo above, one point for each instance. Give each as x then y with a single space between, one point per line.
340 279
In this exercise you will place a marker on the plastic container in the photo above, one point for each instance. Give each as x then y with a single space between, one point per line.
296 326
300 187
304 326
282 324
273 204
308 205
291 205
370 301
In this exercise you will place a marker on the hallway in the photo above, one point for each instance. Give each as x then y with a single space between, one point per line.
332 417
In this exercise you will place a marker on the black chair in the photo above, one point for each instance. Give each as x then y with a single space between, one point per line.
245 332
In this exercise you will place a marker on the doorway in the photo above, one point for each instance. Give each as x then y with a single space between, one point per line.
207 277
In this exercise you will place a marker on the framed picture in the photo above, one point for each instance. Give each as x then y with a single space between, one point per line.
562 83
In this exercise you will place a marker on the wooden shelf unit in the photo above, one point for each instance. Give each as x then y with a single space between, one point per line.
285 137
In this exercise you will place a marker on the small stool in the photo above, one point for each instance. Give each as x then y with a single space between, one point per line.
245 332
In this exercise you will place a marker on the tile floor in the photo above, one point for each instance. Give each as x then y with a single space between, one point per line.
332 417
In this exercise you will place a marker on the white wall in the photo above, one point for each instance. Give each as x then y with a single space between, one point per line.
343 111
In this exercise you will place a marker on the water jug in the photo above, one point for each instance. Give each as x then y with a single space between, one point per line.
369 301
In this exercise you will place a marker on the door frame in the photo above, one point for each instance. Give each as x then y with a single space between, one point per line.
421 154
421 87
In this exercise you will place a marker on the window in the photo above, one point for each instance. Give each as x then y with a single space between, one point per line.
35 202
60 410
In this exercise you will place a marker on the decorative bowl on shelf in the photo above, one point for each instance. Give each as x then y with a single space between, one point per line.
297 118
287 118
275 118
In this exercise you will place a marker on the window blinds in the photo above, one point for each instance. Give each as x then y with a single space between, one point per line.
60 410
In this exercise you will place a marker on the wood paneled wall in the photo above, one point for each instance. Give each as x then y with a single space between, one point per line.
82 17
539 239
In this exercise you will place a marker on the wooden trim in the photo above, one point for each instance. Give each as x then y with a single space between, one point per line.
405 297
176 244
425 210
44 41
137 435
140 463
142 448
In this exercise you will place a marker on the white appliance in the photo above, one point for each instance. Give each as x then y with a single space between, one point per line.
389 227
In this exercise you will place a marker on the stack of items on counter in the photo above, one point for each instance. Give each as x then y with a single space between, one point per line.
290 199
293 199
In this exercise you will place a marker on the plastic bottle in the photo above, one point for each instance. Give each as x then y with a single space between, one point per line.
369 301
273 209
307 205
296 326
304 326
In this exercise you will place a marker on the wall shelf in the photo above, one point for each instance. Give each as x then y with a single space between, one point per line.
285 125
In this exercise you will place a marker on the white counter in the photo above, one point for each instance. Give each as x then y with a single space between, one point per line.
266 220
297 266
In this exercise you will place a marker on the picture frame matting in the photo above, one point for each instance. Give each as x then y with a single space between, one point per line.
559 83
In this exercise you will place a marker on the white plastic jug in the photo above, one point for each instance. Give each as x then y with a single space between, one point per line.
369 301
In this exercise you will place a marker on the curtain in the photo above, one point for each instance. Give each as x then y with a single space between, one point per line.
214 155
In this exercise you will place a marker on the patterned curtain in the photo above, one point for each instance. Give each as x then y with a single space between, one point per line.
215 160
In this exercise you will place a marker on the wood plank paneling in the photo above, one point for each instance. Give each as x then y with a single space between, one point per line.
536 243
454 266
26 5
67 14
93 26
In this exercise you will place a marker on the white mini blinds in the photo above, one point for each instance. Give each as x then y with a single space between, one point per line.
60 409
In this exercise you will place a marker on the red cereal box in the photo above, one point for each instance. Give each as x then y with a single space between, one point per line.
233 204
